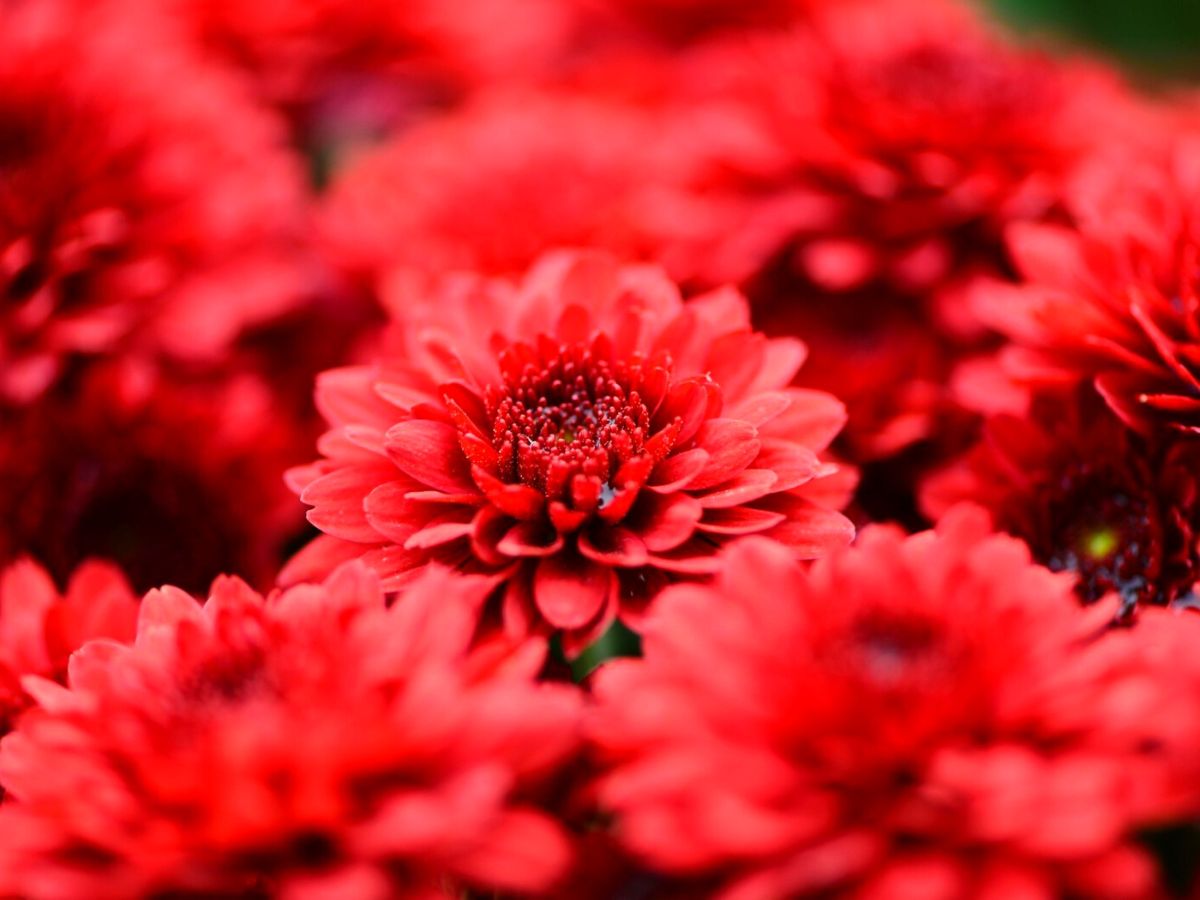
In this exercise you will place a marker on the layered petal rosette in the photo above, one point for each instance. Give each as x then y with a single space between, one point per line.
41 627
313 743
929 715
586 436
146 204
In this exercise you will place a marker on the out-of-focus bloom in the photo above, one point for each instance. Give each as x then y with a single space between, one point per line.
1113 297
1088 496
490 187
175 481
928 716
344 69
585 436
316 743
681 21
145 203
40 628
867 163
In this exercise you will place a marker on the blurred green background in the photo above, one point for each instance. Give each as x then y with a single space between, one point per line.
1157 37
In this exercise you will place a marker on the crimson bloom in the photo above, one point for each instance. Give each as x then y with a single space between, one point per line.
315 743
585 436
1088 495
145 203
175 480
1113 297
562 170
928 715
40 628
883 148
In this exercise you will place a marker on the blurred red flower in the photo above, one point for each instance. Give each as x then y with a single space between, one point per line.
1088 495
585 436
145 203
40 628
315 743
174 480
926 716
560 170
1113 296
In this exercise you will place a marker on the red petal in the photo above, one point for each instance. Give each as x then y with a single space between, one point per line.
429 452
570 590
613 547
489 526
530 539
518 500
439 531
731 444
665 522
677 471
742 488
338 499
792 463
739 520
693 558
813 419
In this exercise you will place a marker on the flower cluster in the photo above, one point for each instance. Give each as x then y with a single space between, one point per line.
598 448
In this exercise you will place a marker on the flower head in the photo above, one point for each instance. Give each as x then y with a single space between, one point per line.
175 480
917 710
145 203
1113 297
1089 497
40 628
314 740
585 436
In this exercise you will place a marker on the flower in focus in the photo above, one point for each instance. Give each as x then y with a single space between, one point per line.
175 481
145 203
585 436
211 757
929 716
1113 297
560 170
40 628
1088 496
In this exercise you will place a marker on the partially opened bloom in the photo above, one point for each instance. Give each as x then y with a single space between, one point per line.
175 480
928 715
585 436
145 203
315 741
1114 297
40 627
1088 495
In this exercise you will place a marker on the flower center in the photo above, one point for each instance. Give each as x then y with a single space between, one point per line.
566 412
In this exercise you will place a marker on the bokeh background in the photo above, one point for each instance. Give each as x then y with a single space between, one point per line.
1157 38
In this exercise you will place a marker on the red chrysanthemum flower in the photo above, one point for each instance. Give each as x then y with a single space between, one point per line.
144 201
881 149
586 436
40 628
347 70
561 170
174 481
1088 496
928 716
316 743
1115 296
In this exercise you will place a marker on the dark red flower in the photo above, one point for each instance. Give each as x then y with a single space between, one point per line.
866 164
345 71
1115 296
313 743
176 481
1088 496
561 170
145 203
586 436
928 715
40 628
